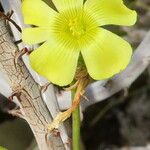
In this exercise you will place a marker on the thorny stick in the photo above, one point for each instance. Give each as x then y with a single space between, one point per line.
10 20
19 54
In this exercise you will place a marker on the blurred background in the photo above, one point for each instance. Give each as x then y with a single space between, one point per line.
120 122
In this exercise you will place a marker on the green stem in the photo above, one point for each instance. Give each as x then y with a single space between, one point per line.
75 127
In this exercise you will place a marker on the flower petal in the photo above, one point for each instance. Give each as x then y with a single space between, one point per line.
37 13
35 35
107 55
56 63
111 12
62 5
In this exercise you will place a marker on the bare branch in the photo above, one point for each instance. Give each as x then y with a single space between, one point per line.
27 91
49 97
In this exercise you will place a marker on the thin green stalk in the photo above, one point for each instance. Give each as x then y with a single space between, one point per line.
75 127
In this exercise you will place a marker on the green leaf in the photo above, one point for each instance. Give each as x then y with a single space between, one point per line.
2 148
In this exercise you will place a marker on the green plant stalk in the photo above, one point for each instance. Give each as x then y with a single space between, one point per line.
75 126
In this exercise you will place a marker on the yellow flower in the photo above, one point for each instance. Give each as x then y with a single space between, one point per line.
74 29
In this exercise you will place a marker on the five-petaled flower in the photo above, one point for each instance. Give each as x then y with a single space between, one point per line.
76 29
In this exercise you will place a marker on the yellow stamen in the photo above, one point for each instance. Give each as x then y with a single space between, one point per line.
76 28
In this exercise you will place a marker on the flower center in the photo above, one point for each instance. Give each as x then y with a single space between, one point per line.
76 28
